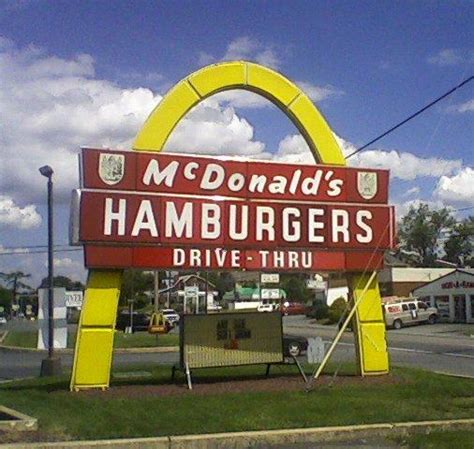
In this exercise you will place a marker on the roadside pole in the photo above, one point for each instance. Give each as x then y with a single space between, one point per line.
157 291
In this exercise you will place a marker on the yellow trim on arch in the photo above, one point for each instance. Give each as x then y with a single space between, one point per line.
240 75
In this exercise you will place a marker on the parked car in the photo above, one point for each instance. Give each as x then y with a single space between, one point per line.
171 316
408 312
3 320
294 346
294 308
140 321
214 308
267 307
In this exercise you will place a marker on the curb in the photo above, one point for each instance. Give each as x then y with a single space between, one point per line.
156 349
459 376
18 421
398 332
244 440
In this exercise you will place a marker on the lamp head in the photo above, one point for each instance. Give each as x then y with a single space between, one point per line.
46 171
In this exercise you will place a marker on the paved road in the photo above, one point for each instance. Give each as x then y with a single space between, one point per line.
17 364
422 346
436 348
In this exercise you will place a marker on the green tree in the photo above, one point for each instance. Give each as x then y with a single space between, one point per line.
460 244
295 288
5 299
420 230
135 285
225 283
63 281
337 309
13 282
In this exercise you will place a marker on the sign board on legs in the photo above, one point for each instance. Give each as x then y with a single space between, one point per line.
227 339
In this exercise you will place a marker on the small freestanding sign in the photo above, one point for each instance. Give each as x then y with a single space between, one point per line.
59 322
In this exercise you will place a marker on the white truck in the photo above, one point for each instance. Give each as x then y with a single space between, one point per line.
407 312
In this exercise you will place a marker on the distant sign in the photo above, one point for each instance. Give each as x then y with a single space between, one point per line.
230 339
270 278
316 285
74 299
315 352
191 291
270 293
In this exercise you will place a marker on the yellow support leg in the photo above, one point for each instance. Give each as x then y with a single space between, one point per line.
369 327
95 333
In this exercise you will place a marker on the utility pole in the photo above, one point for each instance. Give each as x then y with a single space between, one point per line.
52 365
157 291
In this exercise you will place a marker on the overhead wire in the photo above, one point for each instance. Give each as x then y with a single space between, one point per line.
412 116
26 251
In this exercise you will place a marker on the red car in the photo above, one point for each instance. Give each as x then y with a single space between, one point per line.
293 308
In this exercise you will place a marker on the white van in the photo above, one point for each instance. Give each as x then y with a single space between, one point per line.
408 311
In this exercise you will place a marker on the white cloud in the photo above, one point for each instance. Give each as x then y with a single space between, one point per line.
402 165
447 57
468 106
319 93
250 49
50 106
218 130
458 188
18 217
412 191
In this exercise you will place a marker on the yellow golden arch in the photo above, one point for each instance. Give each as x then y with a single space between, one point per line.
95 338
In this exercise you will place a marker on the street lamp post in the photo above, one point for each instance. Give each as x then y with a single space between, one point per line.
52 365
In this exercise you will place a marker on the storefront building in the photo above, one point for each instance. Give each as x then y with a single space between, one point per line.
452 295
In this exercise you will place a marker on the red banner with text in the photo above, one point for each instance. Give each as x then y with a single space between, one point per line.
152 210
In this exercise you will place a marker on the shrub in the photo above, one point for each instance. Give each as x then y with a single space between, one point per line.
337 309
319 310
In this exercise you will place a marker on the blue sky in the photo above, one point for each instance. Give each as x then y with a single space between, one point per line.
88 73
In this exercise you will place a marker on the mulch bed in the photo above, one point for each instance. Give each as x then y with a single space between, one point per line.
203 386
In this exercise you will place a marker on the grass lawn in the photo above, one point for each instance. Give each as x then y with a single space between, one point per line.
28 339
411 395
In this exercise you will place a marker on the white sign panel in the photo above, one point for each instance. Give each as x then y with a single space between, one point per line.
59 315
315 352
191 291
74 299
270 278
270 293
316 285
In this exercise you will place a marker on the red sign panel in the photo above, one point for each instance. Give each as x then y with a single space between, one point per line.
167 220
206 176
164 210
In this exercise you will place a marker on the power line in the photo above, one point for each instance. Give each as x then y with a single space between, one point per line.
26 252
34 246
393 128
463 208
